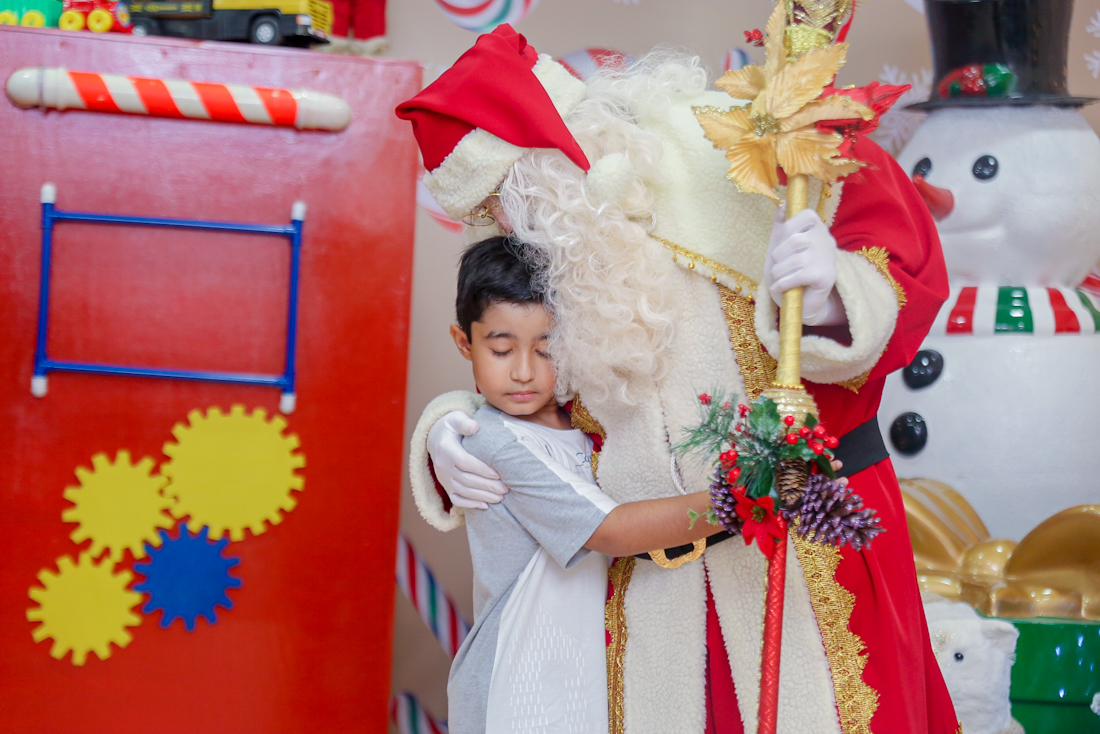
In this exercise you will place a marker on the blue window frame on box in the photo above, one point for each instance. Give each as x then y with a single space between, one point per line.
44 365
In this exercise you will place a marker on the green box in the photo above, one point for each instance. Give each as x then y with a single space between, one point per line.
1056 675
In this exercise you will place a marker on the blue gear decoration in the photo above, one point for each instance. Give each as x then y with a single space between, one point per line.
187 577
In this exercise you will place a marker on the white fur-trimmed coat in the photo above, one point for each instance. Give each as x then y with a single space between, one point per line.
665 610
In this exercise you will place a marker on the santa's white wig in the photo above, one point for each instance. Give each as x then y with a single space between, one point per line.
612 306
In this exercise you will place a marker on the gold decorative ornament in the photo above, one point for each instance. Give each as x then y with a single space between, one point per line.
1053 572
779 127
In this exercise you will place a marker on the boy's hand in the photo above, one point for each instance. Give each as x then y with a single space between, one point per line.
470 482
802 252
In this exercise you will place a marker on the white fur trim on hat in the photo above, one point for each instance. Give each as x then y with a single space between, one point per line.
420 476
481 160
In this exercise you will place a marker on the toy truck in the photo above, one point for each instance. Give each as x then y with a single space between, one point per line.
30 13
269 22
98 16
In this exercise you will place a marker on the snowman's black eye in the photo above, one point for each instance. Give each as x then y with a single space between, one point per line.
985 168
923 167
959 655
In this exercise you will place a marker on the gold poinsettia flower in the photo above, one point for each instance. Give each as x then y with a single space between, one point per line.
780 127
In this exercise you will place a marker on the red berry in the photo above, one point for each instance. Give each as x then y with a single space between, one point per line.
792 439
819 431
804 432
831 442
744 409
817 448
733 475
789 420
726 405
728 458
704 399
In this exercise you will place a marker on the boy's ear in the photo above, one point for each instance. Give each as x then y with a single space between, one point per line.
461 341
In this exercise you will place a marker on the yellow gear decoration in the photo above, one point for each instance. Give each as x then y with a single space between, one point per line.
84 607
118 505
231 472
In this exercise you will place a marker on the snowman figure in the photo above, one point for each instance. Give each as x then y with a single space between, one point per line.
1003 401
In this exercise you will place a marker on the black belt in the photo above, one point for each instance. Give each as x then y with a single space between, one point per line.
858 449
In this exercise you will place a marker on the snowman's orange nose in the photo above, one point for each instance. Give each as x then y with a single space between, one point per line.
940 201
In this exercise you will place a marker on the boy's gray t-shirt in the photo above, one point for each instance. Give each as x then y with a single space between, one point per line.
534 660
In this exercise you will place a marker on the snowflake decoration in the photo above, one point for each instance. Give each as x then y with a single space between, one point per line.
1094 25
187 577
1092 59
119 505
84 607
898 125
232 472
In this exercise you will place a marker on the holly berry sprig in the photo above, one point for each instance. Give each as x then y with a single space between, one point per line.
751 440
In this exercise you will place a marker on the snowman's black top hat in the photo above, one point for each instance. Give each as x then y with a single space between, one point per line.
999 52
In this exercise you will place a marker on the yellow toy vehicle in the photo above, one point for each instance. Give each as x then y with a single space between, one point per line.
270 22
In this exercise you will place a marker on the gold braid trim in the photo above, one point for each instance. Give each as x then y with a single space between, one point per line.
880 258
856 382
583 421
746 285
756 365
615 623
856 701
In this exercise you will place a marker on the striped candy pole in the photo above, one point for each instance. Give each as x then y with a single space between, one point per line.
1091 283
410 717
435 608
61 89
485 15
1039 310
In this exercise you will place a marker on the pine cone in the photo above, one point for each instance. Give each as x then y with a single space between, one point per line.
725 506
832 514
790 481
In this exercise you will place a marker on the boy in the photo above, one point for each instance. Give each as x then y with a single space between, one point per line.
535 658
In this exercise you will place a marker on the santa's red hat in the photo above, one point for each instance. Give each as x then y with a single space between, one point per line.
499 100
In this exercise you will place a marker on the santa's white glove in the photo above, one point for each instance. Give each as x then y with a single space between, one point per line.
470 482
802 252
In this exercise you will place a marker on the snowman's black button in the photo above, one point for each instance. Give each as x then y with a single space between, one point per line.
985 168
924 369
923 167
909 433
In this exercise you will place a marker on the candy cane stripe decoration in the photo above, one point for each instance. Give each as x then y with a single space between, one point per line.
410 717
485 15
61 89
427 596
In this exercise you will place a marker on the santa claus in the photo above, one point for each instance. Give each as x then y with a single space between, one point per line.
663 280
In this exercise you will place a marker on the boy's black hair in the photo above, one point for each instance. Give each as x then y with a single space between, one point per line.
492 271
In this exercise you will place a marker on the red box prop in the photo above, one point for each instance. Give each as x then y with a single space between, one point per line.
179 555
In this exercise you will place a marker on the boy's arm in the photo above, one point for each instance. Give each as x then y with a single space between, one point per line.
639 527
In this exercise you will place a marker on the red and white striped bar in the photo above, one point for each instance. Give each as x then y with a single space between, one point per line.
61 89
437 610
